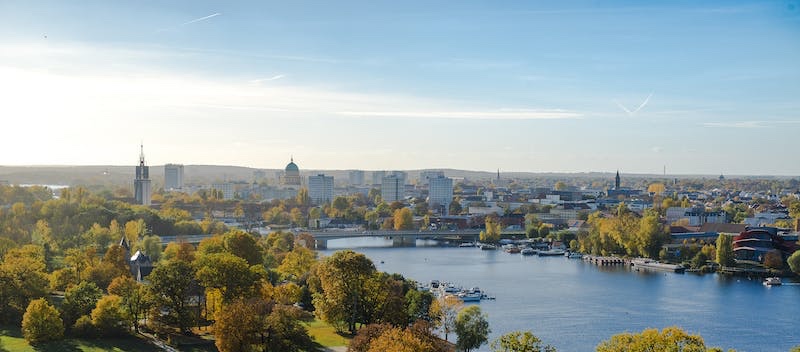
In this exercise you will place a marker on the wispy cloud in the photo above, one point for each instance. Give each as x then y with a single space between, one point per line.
737 124
501 114
750 124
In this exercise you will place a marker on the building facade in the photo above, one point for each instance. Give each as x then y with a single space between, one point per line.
377 177
141 184
173 177
427 175
392 189
440 193
356 177
320 189
226 188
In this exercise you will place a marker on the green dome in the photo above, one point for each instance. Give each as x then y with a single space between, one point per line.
292 167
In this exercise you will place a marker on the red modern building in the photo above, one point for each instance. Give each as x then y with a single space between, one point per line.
755 242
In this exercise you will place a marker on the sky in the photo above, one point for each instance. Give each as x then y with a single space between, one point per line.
709 87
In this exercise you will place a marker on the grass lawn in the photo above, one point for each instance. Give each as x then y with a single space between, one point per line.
325 335
11 341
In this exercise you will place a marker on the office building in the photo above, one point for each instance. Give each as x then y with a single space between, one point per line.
320 189
356 177
440 193
425 176
377 177
173 177
392 188
226 188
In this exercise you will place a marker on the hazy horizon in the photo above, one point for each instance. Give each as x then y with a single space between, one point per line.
704 88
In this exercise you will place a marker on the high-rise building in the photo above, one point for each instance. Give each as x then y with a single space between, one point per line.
392 188
141 184
426 175
320 189
356 177
226 188
377 177
441 193
173 177
401 175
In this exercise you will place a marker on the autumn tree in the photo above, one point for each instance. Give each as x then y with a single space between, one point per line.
255 324
22 279
342 279
297 263
403 219
472 328
41 322
109 317
671 339
518 341
447 308
400 340
492 231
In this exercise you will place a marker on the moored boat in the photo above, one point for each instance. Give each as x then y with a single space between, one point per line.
528 251
652 264
772 281
551 252
467 244
488 247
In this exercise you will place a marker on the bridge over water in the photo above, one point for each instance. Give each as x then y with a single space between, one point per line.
402 238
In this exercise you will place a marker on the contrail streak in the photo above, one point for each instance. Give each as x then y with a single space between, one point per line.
201 19
631 113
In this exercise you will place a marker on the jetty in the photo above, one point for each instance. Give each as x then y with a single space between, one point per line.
603 261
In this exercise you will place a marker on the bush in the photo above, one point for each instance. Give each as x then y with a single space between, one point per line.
83 327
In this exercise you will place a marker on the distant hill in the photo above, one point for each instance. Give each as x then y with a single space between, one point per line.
111 175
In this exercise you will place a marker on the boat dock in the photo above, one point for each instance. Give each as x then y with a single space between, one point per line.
603 261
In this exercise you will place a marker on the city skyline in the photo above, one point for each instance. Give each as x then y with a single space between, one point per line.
575 87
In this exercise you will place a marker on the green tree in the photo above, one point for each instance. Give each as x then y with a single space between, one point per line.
794 262
472 328
774 259
403 219
228 273
151 245
244 245
170 284
343 277
518 341
79 300
725 250
134 297
41 322
671 339
302 198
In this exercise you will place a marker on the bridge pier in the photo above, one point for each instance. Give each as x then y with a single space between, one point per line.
320 244
404 241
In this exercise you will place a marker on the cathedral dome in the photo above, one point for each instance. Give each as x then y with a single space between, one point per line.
292 167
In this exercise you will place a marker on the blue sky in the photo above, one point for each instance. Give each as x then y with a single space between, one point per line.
701 87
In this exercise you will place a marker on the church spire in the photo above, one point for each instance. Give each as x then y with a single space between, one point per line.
616 180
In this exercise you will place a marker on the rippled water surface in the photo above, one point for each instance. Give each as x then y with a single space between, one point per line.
574 305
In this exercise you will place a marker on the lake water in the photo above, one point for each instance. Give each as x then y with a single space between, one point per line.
574 305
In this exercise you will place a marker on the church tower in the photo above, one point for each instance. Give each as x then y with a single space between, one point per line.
141 184
616 181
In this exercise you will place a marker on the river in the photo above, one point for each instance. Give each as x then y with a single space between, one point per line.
574 305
